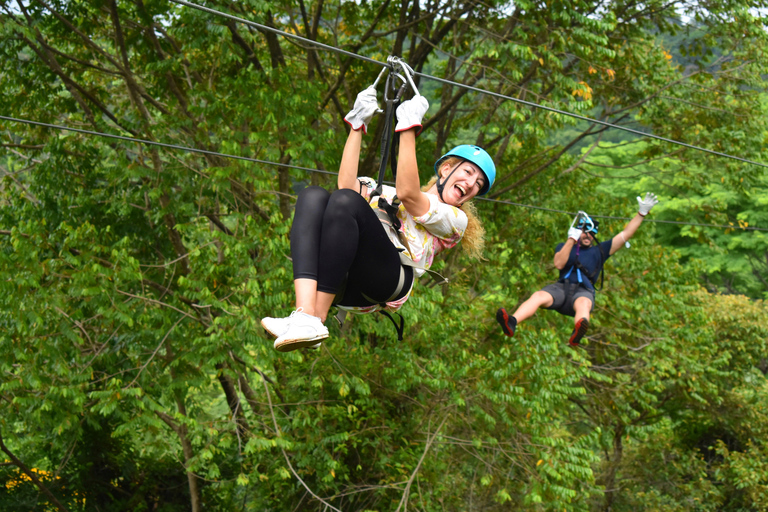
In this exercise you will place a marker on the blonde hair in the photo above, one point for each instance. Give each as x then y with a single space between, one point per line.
473 241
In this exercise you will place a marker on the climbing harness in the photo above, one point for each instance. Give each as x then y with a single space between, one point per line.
387 211
388 149
587 225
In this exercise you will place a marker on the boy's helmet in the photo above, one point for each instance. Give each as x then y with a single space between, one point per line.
588 225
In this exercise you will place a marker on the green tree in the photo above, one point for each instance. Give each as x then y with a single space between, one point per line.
134 375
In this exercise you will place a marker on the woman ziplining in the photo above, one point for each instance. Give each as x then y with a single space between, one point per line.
361 246
580 261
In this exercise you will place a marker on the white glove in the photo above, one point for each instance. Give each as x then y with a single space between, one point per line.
574 233
410 114
646 204
362 113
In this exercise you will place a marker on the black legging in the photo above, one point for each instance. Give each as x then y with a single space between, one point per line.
337 235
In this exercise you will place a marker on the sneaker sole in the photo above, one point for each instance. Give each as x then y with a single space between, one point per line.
289 345
578 333
268 331
503 318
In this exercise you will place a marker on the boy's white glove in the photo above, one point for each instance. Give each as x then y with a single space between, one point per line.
362 113
410 113
646 204
574 233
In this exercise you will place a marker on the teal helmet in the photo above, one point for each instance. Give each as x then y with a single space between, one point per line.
588 225
477 156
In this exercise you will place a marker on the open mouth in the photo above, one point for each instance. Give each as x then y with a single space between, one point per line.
461 190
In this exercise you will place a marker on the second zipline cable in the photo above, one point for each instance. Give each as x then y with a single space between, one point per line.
309 169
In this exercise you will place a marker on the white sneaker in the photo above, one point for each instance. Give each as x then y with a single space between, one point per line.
278 326
303 331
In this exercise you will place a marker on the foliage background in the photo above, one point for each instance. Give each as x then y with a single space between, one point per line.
134 374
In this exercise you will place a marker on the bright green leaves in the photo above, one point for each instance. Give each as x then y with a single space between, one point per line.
134 279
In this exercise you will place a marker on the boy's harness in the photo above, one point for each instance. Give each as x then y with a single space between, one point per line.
579 268
587 225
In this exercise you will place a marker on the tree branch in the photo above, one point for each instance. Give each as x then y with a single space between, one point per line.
31 475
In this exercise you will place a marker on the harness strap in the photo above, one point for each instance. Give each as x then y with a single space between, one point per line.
570 290
341 316
579 267
387 148
399 328
576 265
387 212
436 277
398 290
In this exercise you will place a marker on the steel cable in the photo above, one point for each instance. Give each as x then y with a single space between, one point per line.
469 87
309 169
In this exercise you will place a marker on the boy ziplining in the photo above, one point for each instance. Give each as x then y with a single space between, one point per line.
580 261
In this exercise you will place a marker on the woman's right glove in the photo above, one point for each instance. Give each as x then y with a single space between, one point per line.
410 113
362 113
645 205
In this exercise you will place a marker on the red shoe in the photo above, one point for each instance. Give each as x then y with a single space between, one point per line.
578 332
508 323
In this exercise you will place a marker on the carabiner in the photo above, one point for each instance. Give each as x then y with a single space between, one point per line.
588 224
407 71
393 84
579 215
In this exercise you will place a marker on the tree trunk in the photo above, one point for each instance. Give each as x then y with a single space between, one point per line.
613 467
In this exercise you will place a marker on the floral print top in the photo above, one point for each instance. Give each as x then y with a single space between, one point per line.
440 228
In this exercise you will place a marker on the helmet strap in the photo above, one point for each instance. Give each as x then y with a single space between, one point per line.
441 184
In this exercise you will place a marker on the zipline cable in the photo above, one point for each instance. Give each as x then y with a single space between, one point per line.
612 217
309 169
468 87
161 144
280 32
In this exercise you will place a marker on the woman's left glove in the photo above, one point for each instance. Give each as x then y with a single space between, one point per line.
410 113
646 204
362 113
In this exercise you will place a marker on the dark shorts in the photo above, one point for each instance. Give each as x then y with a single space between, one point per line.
564 295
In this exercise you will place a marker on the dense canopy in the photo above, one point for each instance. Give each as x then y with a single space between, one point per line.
134 374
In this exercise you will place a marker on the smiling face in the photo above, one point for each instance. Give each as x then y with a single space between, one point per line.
462 182
586 239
